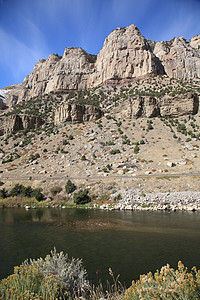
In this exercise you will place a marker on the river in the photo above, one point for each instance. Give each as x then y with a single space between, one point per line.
131 243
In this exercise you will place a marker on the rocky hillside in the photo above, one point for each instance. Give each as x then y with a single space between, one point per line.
78 86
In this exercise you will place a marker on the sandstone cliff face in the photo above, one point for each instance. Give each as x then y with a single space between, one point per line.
195 42
178 58
69 72
76 113
145 106
14 123
180 105
125 54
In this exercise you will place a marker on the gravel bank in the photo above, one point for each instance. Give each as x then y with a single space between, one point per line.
137 200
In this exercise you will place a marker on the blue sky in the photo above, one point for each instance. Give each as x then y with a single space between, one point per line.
33 29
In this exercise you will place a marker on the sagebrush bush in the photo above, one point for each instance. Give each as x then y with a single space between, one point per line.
166 284
70 272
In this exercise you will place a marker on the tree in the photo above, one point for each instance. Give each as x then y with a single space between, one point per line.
17 190
81 197
28 191
70 187
3 193
38 195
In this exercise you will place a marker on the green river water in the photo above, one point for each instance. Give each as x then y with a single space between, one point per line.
131 243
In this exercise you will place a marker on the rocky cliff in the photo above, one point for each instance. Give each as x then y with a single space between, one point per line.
167 106
76 113
14 123
126 55
59 74
179 58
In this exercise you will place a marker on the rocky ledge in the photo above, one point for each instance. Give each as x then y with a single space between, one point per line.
15 122
76 113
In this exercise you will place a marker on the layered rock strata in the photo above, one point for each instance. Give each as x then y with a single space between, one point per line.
145 106
76 113
14 123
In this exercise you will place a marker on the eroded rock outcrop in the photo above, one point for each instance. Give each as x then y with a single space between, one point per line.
76 113
69 72
195 42
167 106
178 58
125 54
14 123
180 105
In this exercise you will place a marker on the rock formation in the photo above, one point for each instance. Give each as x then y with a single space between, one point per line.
2 104
125 55
145 106
195 42
180 105
179 58
58 74
14 123
76 113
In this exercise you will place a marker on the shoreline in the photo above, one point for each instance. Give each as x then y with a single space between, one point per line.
124 200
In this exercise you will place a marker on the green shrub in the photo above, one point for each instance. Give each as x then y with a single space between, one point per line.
81 197
118 197
136 149
17 190
188 139
28 191
55 190
34 157
20 190
70 137
166 284
70 187
150 127
114 151
38 194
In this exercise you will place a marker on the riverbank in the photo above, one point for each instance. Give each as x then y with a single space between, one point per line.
122 200
137 200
